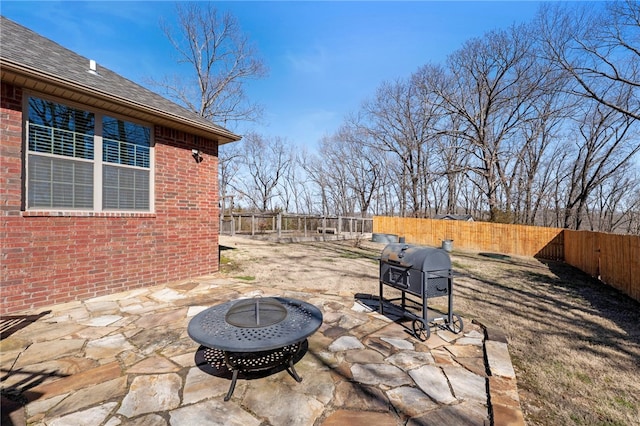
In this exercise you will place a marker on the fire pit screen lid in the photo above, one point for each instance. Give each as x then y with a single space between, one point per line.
256 312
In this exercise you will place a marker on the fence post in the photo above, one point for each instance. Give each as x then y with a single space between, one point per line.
324 227
279 223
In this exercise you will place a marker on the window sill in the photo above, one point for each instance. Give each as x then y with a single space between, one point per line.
72 213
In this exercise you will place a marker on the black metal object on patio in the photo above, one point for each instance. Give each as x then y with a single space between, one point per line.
420 271
256 334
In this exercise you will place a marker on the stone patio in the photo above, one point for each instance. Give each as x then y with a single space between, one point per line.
126 359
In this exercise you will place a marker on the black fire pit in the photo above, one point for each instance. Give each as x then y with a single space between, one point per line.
256 334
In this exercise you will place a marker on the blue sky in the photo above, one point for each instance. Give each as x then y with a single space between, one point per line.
324 58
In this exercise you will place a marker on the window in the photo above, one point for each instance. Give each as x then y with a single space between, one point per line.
125 174
82 160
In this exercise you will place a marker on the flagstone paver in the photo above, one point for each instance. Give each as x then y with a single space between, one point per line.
89 417
107 347
282 403
127 359
364 356
465 384
153 364
102 321
100 306
45 351
359 418
49 371
499 360
146 420
152 393
356 396
461 414
77 381
345 343
399 343
380 374
408 360
50 330
200 386
88 397
212 413
465 351
434 383
411 401
12 345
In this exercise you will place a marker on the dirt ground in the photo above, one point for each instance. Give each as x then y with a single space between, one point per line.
574 342
333 266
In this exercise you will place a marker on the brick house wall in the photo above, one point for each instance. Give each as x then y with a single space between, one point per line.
49 258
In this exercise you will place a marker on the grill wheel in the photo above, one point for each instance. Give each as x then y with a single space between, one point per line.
420 330
456 324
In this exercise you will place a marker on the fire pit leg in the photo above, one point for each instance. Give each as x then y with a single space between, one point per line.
232 387
293 371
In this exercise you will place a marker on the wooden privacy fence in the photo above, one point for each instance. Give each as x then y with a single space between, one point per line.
613 259
481 236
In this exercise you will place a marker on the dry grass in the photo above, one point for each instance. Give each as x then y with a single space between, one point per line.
575 343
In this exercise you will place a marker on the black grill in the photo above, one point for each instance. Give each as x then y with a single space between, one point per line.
420 271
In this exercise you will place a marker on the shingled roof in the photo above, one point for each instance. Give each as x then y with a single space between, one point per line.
32 61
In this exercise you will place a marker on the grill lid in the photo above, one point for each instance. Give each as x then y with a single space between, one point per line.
416 257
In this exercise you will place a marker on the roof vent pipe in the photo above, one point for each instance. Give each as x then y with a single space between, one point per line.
92 66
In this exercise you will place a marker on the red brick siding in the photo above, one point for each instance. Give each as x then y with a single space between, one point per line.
50 258
10 149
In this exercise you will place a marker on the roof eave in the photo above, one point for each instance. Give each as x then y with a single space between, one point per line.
221 135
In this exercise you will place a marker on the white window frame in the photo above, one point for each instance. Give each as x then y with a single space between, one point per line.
97 159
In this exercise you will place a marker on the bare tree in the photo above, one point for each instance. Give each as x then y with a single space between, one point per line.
222 60
353 165
631 209
539 136
400 120
330 171
605 140
228 166
495 84
600 49
266 162
452 162
611 203
312 185
316 169
292 194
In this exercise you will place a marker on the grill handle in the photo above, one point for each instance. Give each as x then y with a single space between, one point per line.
398 263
